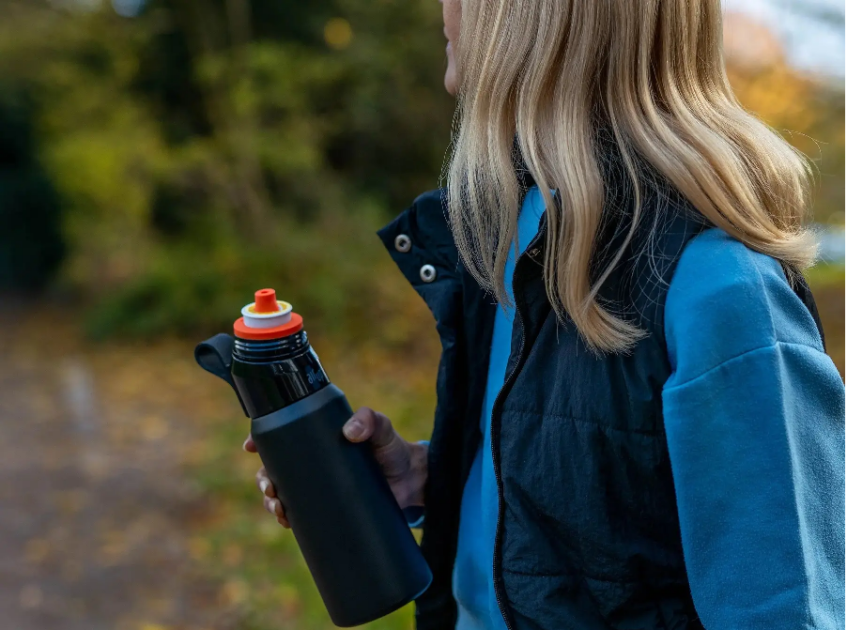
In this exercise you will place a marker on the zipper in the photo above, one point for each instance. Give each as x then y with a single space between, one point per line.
495 409
530 251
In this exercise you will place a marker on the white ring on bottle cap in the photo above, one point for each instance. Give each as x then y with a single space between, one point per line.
267 320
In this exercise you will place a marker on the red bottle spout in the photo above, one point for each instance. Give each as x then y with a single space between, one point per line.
266 301
267 318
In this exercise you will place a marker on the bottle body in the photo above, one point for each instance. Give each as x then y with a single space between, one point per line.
350 529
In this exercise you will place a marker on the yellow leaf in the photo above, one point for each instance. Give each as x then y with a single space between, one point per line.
234 592
36 550
153 428
198 547
338 33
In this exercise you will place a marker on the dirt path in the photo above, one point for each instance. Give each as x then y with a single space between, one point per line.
97 518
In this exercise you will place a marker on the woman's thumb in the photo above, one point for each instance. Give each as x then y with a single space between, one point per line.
367 424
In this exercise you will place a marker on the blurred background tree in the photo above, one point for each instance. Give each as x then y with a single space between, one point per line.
194 144
191 132
31 243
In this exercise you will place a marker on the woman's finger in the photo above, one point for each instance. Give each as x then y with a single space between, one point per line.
249 445
264 484
274 506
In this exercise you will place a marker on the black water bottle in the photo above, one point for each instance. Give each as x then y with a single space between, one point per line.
350 529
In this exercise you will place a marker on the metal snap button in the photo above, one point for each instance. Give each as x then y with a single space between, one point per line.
402 243
427 273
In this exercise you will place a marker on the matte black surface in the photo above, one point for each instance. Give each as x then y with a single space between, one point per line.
351 531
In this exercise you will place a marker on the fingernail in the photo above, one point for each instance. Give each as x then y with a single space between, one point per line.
272 506
354 429
264 484
244 446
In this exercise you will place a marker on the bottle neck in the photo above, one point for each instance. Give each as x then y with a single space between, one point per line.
270 350
274 373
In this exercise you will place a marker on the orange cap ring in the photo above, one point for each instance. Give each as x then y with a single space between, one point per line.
294 325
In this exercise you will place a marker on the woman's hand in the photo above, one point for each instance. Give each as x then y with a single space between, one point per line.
403 463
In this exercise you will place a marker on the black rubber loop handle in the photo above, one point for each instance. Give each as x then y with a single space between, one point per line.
215 356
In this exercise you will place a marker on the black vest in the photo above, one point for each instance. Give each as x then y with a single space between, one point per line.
588 534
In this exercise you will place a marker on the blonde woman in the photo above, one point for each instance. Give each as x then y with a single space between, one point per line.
637 425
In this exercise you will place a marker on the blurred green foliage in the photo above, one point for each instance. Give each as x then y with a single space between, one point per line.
204 149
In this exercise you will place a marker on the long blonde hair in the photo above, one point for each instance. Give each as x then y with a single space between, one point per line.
550 73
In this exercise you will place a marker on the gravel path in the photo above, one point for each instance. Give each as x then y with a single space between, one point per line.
99 525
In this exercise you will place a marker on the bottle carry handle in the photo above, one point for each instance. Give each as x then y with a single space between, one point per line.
215 356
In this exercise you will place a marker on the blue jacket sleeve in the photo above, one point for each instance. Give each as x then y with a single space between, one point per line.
754 415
